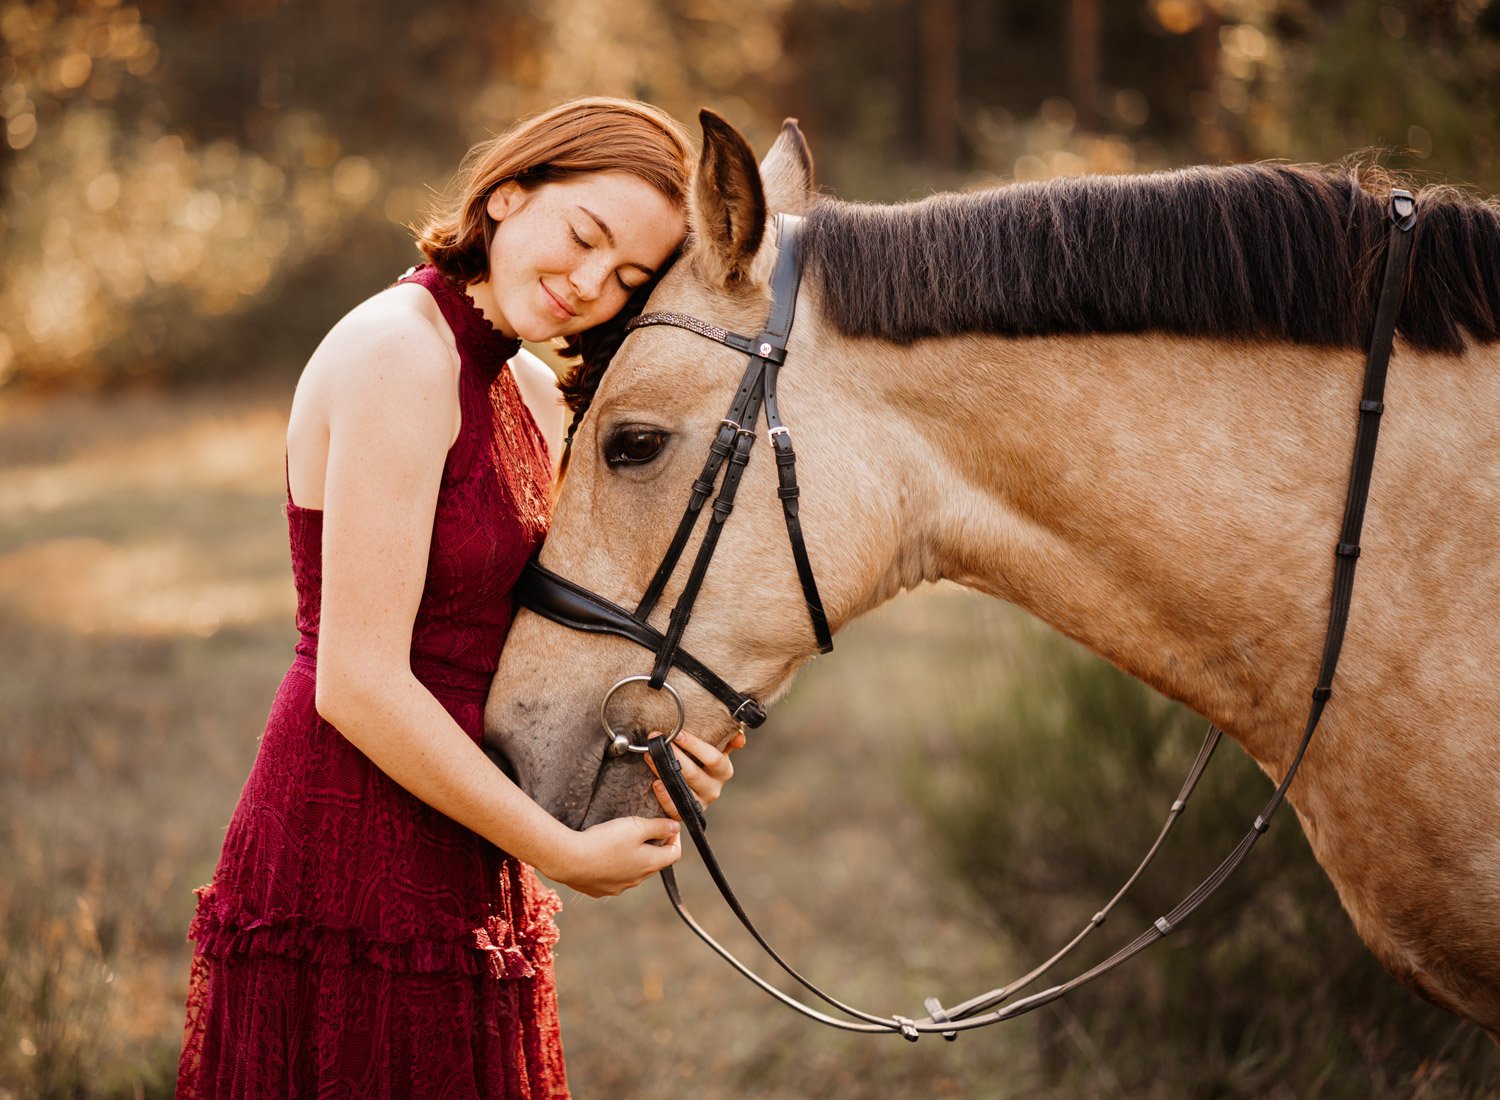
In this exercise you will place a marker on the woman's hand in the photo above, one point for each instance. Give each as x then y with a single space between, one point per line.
611 857
705 768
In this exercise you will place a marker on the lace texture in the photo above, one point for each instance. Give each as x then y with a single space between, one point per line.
355 942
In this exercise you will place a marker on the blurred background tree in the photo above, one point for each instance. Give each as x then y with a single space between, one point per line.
192 192
198 189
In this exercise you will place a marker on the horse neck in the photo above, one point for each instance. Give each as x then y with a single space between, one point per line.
1169 503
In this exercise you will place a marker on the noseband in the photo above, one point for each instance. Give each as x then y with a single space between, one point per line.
567 603
572 605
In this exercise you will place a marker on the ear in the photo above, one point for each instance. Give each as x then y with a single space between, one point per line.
729 204
787 171
505 199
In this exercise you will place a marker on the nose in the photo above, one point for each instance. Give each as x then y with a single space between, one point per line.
588 280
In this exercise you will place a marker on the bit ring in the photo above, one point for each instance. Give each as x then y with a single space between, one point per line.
619 743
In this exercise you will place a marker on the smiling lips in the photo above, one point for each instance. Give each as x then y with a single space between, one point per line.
558 307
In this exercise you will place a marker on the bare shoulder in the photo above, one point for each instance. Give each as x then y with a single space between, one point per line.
388 364
538 386
399 327
392 346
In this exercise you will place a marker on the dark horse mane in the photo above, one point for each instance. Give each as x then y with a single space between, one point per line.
1255 251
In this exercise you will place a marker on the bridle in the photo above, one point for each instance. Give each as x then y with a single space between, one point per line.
562 601
565 602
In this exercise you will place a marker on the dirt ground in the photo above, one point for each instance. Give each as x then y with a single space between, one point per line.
145 619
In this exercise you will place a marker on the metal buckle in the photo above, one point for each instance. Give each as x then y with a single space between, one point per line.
619 743
1403 209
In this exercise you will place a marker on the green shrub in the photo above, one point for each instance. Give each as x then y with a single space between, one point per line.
1043 807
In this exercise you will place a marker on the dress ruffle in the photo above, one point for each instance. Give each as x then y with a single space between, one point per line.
493 947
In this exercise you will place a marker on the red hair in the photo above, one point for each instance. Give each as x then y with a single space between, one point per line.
592 134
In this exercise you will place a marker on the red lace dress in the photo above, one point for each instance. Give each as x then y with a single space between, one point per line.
355 942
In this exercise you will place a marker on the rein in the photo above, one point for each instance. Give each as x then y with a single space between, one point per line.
570 604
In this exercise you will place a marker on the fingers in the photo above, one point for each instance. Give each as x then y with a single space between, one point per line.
705 769
666 854
668 807
714 762
668 847
698 757
659 789
654 828
705 786
622 853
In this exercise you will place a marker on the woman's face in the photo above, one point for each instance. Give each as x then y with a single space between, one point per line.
566 255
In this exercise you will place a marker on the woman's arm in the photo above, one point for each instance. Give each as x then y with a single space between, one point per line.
391 402
538 386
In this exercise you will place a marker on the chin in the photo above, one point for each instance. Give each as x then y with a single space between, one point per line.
544 329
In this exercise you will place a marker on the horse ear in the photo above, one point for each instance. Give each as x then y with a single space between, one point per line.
787 171
729 204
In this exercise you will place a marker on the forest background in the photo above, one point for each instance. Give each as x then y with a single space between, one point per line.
192 192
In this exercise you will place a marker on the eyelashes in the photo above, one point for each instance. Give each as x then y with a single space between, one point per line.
583 244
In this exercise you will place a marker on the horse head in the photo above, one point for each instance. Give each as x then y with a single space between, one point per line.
636 453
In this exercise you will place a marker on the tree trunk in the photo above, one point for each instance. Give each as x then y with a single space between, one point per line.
1083 61
939 86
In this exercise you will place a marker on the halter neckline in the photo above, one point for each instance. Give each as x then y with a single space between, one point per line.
484 345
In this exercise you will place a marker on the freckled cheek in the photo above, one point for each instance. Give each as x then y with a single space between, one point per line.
549 263
610 303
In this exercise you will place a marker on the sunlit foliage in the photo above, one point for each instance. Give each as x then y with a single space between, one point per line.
201 188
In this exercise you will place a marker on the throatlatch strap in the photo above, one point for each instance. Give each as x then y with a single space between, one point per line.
788 491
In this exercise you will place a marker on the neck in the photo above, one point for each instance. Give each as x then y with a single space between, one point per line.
482 293
1173 504
1169 503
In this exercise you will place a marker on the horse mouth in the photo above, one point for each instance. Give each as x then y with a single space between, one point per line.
588 803
621 788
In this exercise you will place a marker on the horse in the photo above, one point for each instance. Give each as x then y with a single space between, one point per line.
1125 404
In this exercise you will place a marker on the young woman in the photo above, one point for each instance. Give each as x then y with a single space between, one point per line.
374 927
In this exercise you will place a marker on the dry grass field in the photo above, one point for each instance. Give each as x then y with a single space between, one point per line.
145 619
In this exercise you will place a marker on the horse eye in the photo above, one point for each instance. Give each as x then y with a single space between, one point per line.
633 446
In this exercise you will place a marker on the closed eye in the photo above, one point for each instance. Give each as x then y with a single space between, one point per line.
633 446
583 244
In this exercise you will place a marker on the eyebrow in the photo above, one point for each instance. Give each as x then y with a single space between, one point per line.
610 237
